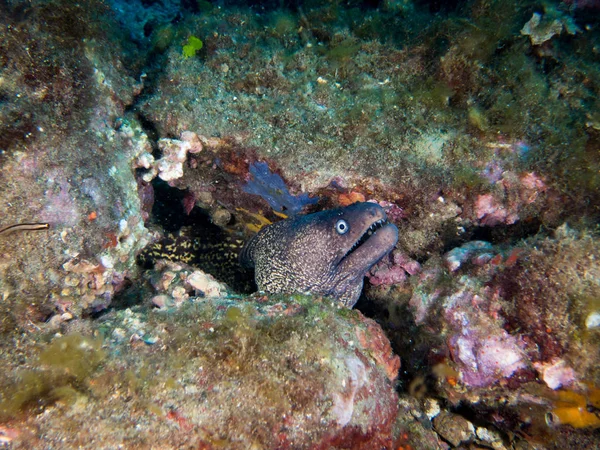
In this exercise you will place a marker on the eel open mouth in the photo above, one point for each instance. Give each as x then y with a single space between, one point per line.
371 231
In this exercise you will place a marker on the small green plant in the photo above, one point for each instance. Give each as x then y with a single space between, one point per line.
193 45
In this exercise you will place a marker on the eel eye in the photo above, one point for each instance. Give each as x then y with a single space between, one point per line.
341 226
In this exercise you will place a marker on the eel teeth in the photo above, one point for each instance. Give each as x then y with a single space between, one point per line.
367 234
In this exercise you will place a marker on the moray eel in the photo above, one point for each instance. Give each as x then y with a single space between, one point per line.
326 253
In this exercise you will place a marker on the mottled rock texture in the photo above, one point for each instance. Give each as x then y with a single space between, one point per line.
269 373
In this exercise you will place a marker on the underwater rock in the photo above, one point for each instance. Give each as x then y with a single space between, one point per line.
280 372
556 373
542 27
506 336
459 255
462 128
65 161
483 352
454 428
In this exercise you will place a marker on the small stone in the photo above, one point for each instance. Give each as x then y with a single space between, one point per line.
119 334
212 143
107 261
490 437
221 217
162 301
57 319
72 280
123 226
166 279
453 428
432 408
593 320
205 198
79 266
150 340
458 255
556 373
540 32
179 294
206 285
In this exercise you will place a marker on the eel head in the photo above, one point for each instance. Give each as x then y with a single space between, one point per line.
326 253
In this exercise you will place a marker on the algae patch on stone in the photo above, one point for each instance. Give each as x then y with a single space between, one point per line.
59 374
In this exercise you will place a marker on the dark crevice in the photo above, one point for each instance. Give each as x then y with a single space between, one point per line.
151 131
407 340
439 6
194 239
168 212
497 234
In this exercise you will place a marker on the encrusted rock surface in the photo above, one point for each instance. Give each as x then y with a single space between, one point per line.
265 373
474 124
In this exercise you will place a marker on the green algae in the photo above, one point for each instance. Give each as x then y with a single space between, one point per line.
192 47
74 356
343 51
347 313
469 177
60 374
163 38
283 24
432 93
241 345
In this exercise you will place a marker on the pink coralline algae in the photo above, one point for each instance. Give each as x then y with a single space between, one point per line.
482 350
60 206
532 186
490 212
393 211
504 208
386 273
556 373
483 359
393 269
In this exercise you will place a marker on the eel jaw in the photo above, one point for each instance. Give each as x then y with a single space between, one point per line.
376 242
366 235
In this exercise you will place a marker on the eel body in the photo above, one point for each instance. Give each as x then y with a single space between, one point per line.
212 253
326 253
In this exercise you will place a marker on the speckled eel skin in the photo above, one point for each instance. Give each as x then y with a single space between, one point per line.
326 253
